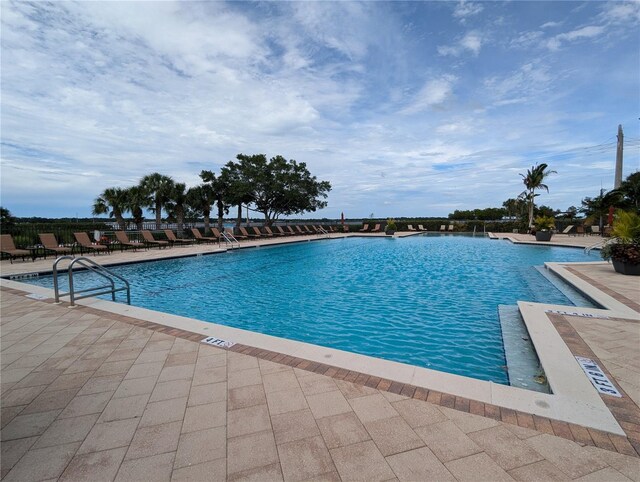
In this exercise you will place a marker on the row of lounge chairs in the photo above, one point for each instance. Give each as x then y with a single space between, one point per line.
365 229
420 228
50 245
580 230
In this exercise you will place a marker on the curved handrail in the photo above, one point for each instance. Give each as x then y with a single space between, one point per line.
94 268
599 244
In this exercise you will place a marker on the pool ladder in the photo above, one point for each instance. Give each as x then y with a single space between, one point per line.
93 267
230 239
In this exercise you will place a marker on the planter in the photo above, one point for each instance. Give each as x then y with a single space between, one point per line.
543 235
389 232
626 268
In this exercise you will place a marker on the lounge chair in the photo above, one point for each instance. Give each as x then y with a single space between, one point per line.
123 239
568 229
9 248
451 227
443 227
365 227
271 233
50 243
85 243
216 234
595 229
411 228
580 230
260 233
282 232
290 231
150 240
422 228
246 234
376 229
203 239
173 240
300 230
237 236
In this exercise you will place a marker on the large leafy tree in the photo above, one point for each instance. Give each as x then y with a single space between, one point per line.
534 180
158 187
113 202
236 177
6 219
629 192
282 187
199 199
177 204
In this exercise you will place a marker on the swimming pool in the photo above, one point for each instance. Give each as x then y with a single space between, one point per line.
429 301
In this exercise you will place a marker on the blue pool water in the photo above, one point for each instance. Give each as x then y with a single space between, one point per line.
429 301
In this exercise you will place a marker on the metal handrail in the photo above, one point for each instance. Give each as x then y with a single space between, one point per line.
94 268
599 244
230 238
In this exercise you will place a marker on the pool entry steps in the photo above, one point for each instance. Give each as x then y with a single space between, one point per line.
523 365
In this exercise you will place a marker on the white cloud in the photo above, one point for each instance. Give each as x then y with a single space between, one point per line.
551 24
621 12
590 31
466 9
471 42
433 93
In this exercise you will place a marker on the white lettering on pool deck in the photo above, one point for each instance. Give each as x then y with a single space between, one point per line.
599 380
576 313
212 340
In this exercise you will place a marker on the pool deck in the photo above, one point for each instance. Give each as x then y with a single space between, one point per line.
108 391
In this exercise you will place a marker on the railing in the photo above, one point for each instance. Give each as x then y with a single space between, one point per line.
230 239
94 268
599 244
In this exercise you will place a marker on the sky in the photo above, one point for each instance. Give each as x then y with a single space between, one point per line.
408 109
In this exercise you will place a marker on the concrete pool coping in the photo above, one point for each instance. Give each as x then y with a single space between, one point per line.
574 400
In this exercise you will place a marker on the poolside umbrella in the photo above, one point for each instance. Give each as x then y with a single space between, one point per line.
342 218
610 219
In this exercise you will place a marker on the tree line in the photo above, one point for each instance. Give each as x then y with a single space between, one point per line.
523 207
274 187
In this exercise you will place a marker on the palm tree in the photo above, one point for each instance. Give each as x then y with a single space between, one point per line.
158 186
200 198
136 199
534 179
177 204
510 205
220 188
113 202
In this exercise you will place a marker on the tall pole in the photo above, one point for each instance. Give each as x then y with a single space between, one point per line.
618 177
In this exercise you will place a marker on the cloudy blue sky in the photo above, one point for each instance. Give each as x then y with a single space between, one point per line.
408 109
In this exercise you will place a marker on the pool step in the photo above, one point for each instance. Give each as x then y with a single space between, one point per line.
576 297
523 364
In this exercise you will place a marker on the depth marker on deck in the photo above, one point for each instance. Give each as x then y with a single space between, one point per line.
597 377
212 340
